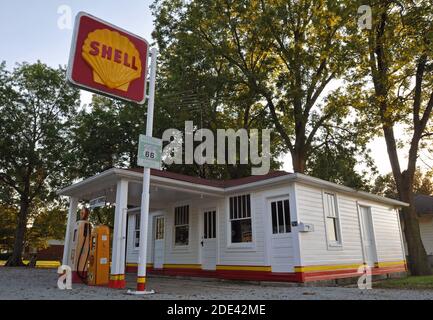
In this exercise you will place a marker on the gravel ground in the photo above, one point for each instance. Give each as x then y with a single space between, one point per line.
41 284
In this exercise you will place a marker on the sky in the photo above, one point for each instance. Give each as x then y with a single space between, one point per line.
40 30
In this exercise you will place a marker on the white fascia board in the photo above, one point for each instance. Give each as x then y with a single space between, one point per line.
138 177
66 191
182 185
299 177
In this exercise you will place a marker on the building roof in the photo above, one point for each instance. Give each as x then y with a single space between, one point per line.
423 204
214 187
212 182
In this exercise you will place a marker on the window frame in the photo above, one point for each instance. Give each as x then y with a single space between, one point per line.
249 246
175 226
276 200
204 222
332 245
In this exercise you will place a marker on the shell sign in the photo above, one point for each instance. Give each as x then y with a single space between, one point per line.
108 60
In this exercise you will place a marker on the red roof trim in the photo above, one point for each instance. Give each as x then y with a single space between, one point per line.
213 183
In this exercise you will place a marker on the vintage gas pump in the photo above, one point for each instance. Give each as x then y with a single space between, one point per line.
99 260
80 247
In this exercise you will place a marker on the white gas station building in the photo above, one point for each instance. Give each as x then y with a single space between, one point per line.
276 227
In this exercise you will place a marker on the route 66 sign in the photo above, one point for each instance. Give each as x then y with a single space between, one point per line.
149 152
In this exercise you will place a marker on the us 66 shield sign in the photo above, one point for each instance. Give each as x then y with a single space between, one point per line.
149 152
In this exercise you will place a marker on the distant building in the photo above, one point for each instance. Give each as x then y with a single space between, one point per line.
53 252
424 209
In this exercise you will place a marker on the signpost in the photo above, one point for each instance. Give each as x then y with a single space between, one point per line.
97 203
108 60
149 152
144 221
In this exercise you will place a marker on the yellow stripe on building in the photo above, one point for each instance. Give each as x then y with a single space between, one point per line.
327 267
244 268
149 265
390 264
182 266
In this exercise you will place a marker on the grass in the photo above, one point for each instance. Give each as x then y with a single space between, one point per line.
413 282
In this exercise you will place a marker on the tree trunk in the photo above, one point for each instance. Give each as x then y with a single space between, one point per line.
298 161
16 259
417 260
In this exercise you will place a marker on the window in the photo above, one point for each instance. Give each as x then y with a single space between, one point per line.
280 211
181 226
240 219
159 228
209 225
137 231
331 218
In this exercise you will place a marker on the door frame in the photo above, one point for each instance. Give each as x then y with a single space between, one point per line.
268 224
201 233
372 229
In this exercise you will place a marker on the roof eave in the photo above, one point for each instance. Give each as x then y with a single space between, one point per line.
299 177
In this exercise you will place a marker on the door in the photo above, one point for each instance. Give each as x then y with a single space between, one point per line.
209 240
281 241
159 244
367 235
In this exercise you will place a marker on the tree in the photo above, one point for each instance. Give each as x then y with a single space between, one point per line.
337 154
422 184
37 107
49 223
7 227
397 55
281 55
105 135
194 85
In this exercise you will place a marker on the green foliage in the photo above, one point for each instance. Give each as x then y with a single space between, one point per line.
37 107
106 134
103 216
422 184
337 160
258 61
49 223
7 226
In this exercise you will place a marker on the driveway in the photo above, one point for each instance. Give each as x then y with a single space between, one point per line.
36 284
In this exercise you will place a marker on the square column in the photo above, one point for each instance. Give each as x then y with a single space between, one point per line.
72 219
117 274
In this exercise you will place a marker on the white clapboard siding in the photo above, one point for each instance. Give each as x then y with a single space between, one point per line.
426 229
314 245
260 251
253 254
